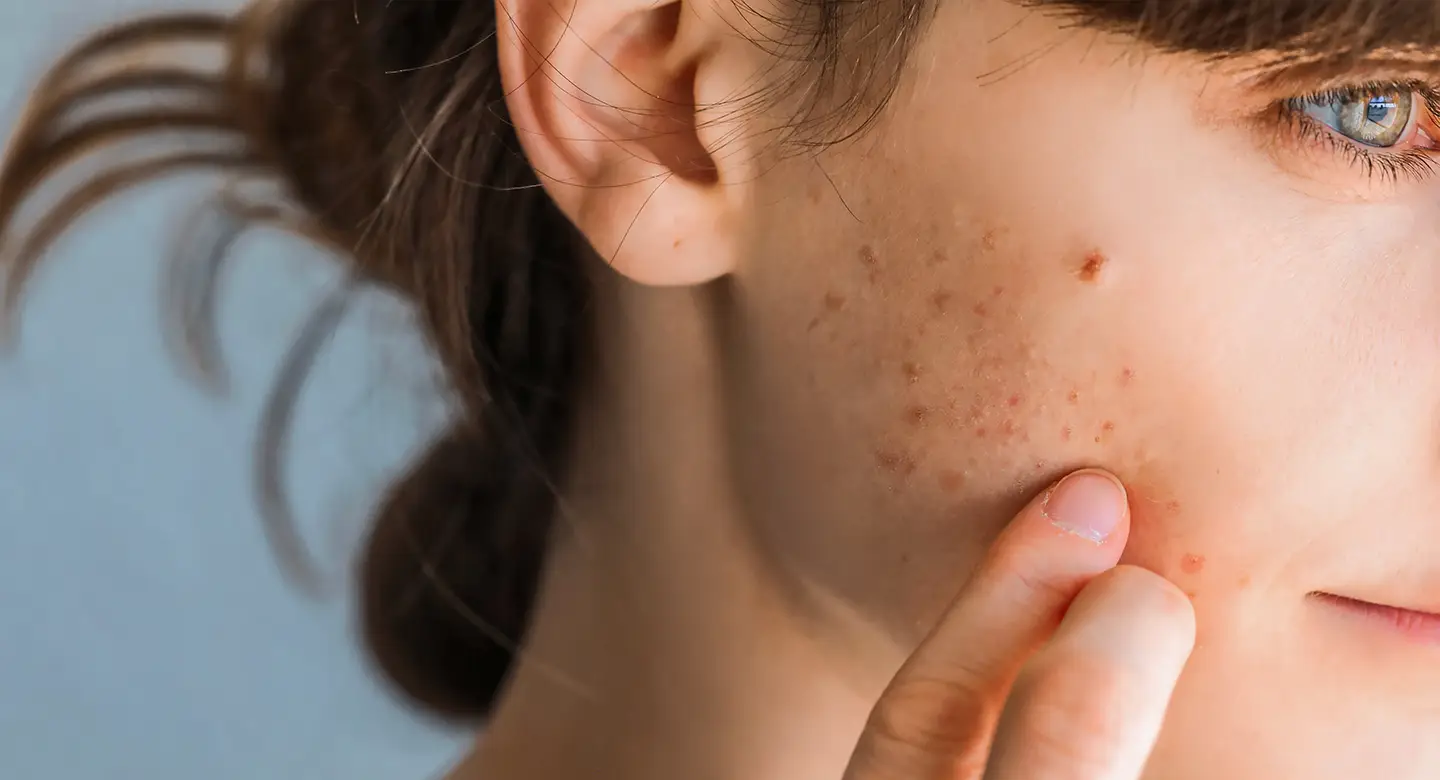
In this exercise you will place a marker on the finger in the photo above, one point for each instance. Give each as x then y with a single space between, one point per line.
1089 706
937 717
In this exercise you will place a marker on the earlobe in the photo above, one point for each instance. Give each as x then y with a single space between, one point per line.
603 98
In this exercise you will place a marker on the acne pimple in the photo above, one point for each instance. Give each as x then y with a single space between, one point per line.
895 462
997 292
1108 427
1127 375
941 301
989 239
916 416
1073 397
1192 563
980 433
1190 594
1091 266
981 310
1013 401
951 480
1066 433
868 258
911 372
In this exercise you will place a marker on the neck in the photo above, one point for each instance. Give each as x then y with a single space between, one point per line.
662 646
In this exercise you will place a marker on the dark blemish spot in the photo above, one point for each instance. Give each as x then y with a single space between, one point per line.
911 372
1013 401
1073 397
1090 268
1066 433
904 558
1192 564
917 415
951 480
938 257
675 245
834 301
981 310
988 240
895 462
941 301
868 256
997 292
1097 439
1040 465
814 323
1127 376
979 433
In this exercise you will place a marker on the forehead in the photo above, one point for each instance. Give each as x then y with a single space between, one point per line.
1299 27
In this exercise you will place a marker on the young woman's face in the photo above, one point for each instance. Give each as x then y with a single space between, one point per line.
1059 249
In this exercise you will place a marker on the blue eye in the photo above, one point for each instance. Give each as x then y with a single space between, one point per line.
1371 118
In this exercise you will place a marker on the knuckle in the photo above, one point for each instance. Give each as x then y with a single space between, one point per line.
1072 713
933 716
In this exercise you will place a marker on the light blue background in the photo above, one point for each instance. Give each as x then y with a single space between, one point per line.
145 632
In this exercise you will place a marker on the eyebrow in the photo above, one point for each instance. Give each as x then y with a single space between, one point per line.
1298 29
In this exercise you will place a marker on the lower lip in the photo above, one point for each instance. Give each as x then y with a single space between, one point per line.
1417 626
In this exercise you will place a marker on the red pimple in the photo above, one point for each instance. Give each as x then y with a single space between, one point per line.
917 415
1107 427
1127 376
911 371
1066 433
1091 266
1073 397
941 301
868 257
895 462
997 292
1192 563
981 310
1014 400
980 433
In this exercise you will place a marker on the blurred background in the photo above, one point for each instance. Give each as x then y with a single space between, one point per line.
145 629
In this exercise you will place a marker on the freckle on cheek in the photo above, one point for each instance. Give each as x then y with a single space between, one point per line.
834 301
1192 563
916 416
951 480
895 462
941 301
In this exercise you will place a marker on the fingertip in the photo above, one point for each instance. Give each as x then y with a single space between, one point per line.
1090 504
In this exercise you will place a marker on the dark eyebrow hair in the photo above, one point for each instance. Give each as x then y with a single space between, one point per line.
1333 30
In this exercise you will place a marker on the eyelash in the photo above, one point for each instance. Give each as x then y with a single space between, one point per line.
1415 164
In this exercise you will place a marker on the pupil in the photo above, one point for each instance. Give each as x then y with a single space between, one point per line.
1378 109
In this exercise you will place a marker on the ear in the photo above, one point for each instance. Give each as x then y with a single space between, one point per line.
604 96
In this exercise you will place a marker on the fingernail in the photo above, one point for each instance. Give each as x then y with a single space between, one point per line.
1087 504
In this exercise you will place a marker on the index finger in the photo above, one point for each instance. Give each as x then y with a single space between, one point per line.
938 715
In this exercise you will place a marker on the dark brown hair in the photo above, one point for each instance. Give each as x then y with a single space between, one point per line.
385 123
386 126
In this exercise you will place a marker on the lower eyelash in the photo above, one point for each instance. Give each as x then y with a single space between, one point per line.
1415 164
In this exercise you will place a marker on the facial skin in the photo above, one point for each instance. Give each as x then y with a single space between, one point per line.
1055 250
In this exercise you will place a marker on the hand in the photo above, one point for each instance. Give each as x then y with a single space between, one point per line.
1052 663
